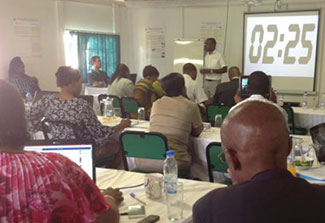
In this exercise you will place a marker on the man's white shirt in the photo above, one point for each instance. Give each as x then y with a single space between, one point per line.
258 97
194 92
215 60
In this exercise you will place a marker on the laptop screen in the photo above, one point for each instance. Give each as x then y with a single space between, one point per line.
80 153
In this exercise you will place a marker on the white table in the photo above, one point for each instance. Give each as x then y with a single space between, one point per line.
193 190
199 167
95 91
308 117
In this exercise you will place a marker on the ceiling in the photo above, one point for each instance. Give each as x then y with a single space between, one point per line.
158 2
163 3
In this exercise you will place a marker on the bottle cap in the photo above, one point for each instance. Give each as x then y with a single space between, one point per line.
170 153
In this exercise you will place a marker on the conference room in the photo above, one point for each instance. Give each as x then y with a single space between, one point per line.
111 87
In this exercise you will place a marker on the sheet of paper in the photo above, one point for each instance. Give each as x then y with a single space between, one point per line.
28 40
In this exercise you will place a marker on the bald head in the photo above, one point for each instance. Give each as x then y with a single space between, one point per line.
233 72
255 138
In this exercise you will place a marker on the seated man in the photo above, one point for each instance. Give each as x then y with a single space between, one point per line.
96 77
263 189
225 92
259 89
193 92
177 118
24 83
144 91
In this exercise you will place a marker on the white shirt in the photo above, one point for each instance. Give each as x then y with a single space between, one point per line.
258 97
215 60
122 87
194 92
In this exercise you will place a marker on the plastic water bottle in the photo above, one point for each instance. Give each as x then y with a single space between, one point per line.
108 111
170 183
141 114
281 100
322 102
29 99
304 101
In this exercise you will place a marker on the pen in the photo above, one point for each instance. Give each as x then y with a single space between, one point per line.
133 196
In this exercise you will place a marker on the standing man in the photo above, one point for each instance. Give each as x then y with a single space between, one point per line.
96 77
214 67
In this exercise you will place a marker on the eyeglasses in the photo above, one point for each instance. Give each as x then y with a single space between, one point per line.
222 155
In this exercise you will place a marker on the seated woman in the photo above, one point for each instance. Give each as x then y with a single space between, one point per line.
120 84
22 81
44 187
66 107
144 91
177 118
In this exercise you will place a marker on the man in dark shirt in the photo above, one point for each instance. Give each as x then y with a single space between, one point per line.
22 81
256 142
96 77
225 92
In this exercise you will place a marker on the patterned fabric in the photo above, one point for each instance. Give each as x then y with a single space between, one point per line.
145 94
46 187
24 84
76 112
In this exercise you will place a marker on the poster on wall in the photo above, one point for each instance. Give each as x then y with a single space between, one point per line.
28 40
212 30
155 44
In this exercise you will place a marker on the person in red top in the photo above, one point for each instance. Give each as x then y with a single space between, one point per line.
44 187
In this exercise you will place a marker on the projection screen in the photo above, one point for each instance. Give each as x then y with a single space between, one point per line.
283 45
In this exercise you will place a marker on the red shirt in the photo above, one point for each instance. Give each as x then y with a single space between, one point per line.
46 187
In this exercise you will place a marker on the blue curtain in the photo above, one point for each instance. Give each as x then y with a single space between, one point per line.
107 47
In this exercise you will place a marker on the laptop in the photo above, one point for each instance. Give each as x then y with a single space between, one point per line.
80 152
318 136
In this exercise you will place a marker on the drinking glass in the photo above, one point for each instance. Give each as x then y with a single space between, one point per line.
117 112
218 120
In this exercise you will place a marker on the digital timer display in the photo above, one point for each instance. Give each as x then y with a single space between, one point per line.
282 44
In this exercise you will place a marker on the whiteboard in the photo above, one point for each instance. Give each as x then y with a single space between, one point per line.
189 51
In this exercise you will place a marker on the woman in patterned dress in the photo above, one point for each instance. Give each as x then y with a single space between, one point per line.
67 107
44 187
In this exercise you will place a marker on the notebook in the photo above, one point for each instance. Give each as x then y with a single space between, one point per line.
80 152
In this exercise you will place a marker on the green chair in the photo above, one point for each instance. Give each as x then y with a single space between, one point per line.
291 122
213 151
214 109
116 102
129 106
147 145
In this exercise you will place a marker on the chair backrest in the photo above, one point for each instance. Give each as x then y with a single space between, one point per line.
129 105
291 119
213 151
49 128
116 102
88 98
138 144
214 109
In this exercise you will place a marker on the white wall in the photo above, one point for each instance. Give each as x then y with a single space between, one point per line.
54 18
45 12
186 22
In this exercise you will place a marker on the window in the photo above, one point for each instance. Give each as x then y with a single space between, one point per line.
80 47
